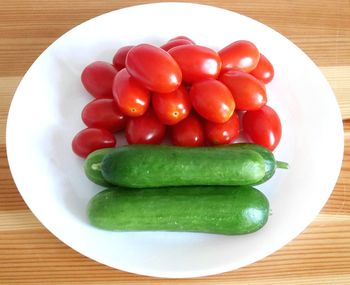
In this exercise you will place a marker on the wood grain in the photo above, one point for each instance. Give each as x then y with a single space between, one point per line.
29 254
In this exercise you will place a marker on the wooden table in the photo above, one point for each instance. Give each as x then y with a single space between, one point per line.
29 254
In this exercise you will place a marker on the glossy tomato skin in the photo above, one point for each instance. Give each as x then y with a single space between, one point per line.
90 139
146 129
264 71
263 127
188 132
120 56
174 43
154 68
182 38
248 92
97 78
212 100
222 133
240 55
196 62
103 113
132 98
173 107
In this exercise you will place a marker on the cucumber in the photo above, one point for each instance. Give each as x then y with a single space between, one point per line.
140 166
271 164
230 210
92 166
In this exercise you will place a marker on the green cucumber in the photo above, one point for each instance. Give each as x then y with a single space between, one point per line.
140 166
92 166
229 210
271 164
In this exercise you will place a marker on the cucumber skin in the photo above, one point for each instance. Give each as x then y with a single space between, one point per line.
229 210
269 158
96 157
140 166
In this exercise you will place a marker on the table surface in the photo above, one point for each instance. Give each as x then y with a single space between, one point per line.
29 254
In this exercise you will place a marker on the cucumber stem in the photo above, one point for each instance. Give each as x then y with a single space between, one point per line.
282 164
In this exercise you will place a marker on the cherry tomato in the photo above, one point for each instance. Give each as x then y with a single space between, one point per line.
172 107
97 79
248 92
188 132
174 43
263 127
103 113
146 129
222 133
196 62
154 68
264 70
90 139
212 100
182 38
240 55
132 98
120 56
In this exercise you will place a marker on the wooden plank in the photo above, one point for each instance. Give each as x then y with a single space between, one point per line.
338 77
37 256
320 28
18 220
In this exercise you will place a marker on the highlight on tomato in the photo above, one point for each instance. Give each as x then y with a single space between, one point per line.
97 78
154 68
103 113
196 62
248 92
90 139
173 107
146 129
264 71
263 127
132 98
174 43
240 55
188 132
120 57
222 133
212 100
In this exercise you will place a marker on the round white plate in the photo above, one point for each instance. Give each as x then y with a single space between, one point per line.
45 115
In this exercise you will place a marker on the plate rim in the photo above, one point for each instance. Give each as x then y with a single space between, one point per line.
166 274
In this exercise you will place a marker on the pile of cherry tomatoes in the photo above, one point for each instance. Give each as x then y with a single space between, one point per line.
192 93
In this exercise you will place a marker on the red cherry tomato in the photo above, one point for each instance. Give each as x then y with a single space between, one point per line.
172 107
248 92
264 70
132 98
97 79
90 139
240 55
120 56
212 100
103 113
196 62
174 43
146 129
154 68
188 132
222 133
182 38
263 127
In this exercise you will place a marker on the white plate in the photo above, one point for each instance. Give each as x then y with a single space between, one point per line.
45 115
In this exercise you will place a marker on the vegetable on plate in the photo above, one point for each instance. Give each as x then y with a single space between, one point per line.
208 209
